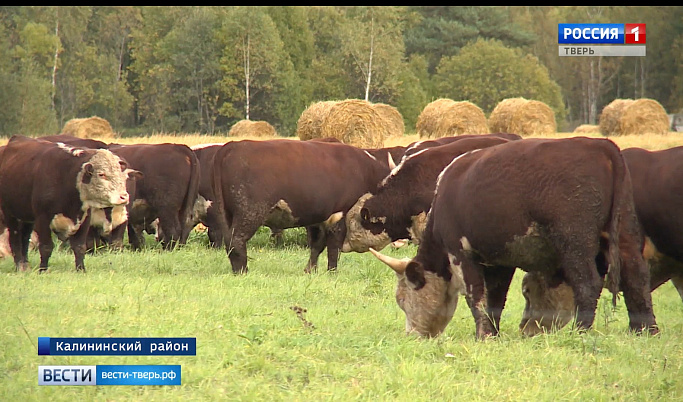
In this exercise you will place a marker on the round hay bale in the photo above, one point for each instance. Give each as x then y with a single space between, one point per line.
311 119
249 128
392 117
640 116
587 129
355 122
429 117
446 117
522 116
90 127
611 115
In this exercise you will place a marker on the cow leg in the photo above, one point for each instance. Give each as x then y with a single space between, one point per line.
215 237
583 277
316 242
213 228
276 236
77 242
635 284
677 281
45 243
335 240
135 235
236 245
171 231
19 235
473 275
116 236
497 281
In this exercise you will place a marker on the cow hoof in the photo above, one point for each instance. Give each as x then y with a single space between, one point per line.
42 270
23 267
650 330
240 271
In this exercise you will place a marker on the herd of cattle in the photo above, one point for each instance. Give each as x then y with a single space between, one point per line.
575 214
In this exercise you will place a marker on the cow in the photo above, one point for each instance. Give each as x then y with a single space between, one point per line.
283 183
204 210
657 193
167 190
107 225
53 187
397 208
541 205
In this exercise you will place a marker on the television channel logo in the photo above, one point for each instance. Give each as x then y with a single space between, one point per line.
601 39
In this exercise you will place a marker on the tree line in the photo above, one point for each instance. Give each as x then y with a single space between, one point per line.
201 69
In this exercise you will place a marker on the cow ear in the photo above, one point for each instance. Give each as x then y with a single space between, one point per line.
134 174
415 275
364 214
88 171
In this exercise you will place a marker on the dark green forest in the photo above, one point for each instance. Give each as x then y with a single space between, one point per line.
201 69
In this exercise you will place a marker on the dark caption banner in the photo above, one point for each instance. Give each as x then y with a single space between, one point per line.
117 346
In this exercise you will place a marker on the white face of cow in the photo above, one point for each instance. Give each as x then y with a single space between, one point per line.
547 308
427 300
101 182
358 238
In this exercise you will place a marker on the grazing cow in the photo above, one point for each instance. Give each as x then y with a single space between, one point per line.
657 192
167 191
284 184
54 187
548 205
397 209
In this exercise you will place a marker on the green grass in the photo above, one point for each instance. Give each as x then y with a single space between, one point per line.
252 346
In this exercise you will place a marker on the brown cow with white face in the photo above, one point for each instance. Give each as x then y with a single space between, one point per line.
53 187
658 194
542 205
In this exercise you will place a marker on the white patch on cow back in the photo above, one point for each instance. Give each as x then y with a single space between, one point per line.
202 146
398 167
370 155
69 149
438 179
63 225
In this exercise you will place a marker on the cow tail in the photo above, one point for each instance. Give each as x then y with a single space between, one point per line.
217 186
190 196
622 196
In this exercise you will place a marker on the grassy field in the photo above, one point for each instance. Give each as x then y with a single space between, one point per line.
348 345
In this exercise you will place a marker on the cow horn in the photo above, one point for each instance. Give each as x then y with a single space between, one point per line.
390 160
334 218
394 263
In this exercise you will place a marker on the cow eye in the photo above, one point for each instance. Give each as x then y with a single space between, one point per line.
365 214
102 175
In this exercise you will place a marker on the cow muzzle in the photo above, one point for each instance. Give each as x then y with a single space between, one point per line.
121 199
